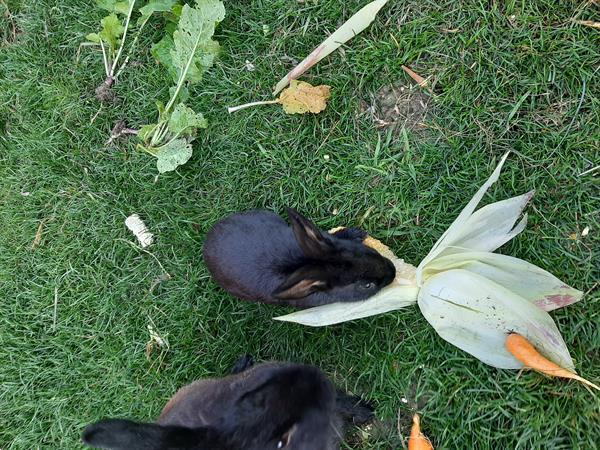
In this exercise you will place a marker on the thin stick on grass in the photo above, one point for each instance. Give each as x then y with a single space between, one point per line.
38 234
55 314
588 23
233 109
585 172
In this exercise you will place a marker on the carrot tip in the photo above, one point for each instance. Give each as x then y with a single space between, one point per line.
417 440
526 353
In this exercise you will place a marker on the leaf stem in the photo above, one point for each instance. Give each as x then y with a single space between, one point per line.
131 48
105 59
233 109
159 133
183 74
147 150
114 64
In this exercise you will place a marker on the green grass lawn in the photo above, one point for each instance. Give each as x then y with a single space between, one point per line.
75 310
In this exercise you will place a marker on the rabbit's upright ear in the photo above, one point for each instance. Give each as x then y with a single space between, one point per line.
309 237
120 434
302 282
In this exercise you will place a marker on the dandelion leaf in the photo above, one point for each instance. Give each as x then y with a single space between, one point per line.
162 53
194 49
93 37
112 29
173 155
115 6
154 6
184 121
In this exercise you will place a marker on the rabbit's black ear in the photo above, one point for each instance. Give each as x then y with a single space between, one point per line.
309 237
351 233
299 284
120 434
244 362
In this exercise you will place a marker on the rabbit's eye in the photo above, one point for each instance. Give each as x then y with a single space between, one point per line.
368 285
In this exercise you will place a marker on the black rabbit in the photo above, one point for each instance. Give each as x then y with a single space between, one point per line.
256 256
267 407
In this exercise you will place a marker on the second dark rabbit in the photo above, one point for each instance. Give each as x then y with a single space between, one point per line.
267 407
256 256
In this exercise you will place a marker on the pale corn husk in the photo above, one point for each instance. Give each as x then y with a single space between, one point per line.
472 297
400 293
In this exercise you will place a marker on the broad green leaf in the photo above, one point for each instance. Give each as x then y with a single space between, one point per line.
184 121
115 6
176 11
524 279
354 25
154 6
172 18
145 133
182 97
162 53
93 37
194 50
173 155
476 314
112 29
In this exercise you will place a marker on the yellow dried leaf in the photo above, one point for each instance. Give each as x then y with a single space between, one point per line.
301 97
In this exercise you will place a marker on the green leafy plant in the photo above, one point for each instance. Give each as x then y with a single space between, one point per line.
187 54
113 36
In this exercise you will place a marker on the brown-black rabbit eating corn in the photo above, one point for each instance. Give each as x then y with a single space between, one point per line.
256 256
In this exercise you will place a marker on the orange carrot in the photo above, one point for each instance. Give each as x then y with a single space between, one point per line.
522 349
417 440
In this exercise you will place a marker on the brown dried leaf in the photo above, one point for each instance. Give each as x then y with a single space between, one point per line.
415 76
301 97
37 240
353 26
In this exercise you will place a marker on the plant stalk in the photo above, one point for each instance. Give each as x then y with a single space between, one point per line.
233 109
105 59
131 48
114 64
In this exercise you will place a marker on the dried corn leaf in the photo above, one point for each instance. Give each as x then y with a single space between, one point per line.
353 26
588 23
